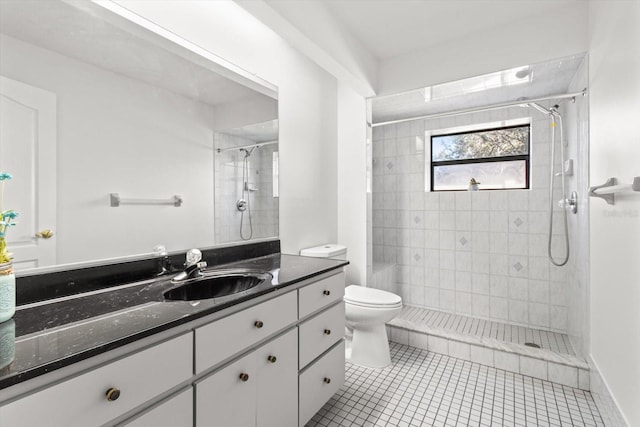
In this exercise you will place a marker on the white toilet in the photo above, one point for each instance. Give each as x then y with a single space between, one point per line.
367 310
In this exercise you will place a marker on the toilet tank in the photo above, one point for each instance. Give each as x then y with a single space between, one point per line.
330 250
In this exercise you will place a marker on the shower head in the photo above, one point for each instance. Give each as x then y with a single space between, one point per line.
248 152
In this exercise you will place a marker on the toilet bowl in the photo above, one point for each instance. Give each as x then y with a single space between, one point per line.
367 310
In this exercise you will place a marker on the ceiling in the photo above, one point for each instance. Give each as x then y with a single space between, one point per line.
538 80
389 28
98 37
257 132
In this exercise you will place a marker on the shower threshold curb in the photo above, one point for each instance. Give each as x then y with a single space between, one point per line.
541 363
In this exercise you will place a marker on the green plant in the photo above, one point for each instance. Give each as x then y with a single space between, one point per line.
6 220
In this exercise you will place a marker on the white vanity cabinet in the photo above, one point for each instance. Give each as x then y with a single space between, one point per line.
321 353
107 392
259 389
270 362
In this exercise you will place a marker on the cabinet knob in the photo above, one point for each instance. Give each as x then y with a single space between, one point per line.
327 331
327 380
272 359
244 377
112 394
258 324
326 292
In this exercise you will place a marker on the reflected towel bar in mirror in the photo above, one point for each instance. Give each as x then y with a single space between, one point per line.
116 201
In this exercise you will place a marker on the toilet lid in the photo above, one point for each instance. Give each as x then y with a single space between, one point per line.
361 295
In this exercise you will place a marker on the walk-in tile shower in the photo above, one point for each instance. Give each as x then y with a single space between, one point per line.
485 254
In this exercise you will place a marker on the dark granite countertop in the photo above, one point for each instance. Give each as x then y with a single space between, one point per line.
55 333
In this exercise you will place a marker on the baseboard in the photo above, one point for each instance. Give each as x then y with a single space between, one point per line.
606 403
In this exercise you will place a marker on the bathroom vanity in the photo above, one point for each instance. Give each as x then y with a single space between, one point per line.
269 359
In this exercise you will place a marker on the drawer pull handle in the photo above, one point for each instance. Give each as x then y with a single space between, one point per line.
327 380
327 331
258 324
244 377
272 359
112 394
326 292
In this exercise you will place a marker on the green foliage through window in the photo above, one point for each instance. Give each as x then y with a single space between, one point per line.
511 141
496 158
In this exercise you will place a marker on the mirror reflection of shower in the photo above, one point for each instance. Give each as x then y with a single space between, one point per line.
246 182
244 203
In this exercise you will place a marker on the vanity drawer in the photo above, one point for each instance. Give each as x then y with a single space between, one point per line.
225 337
320 294
320 381
320 332
176 411
82 401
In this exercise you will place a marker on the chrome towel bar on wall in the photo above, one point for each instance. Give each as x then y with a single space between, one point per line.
116 201
608 190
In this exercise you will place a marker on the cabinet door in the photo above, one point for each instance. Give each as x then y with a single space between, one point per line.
320 381
90 399
321 332
321 294
278 382
175 412
227 398
223 338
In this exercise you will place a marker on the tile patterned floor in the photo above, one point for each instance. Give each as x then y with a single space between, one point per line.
430 389
553 341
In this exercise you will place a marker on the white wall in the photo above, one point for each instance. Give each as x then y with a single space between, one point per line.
535 39
352 197
120 135
307 104
310 27
614 92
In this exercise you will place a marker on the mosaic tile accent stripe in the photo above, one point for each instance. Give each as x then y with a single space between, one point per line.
429 389
552 341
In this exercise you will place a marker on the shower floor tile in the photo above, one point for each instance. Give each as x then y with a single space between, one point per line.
552 341
423 388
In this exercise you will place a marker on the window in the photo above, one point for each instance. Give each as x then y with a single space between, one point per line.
496 158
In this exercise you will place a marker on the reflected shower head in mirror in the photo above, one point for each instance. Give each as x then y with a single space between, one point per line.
249 152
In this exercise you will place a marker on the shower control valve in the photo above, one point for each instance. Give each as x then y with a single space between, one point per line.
571 203
241 205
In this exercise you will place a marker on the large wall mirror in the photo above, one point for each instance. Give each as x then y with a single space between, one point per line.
121 137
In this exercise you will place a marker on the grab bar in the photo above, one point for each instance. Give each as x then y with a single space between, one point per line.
608 190
116 201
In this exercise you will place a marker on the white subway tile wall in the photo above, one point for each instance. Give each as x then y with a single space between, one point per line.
471 253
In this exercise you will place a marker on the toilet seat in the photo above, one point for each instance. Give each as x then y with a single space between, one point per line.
370 297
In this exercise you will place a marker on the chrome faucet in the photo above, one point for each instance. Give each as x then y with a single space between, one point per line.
193 266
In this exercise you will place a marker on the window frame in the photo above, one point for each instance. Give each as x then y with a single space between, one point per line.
481 127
